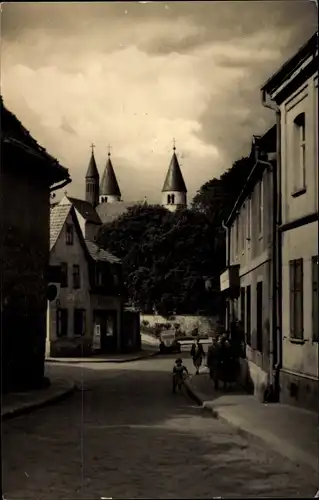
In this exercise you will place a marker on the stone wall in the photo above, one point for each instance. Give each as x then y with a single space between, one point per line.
187 322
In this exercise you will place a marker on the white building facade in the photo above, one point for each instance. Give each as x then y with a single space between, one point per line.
247 281
293 92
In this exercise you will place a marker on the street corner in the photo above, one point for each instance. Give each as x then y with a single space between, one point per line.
16 404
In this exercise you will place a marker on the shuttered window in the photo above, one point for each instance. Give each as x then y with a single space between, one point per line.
296 298
315 298
62 322
248 315
259 293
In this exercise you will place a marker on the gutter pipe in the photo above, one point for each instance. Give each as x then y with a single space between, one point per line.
276 262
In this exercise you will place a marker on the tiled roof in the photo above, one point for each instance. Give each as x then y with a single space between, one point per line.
174 179
87 210
58 216
109 184
100 254
108 212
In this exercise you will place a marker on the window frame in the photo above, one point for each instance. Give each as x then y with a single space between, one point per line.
69 234
248 315
296 298
62 322
299 154
260 208
64 276
260 317
76 276
315 297
82 312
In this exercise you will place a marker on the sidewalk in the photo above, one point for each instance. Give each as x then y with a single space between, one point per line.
291 431
115 358
19 403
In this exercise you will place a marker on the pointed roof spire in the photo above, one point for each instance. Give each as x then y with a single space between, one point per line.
92 170
109 185
174 179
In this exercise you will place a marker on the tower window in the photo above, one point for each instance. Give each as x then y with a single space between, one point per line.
168 199
173 199
105 199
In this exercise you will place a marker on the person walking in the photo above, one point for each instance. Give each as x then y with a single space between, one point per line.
197 353
213 361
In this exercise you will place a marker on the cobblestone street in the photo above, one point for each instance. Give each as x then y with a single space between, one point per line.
125 435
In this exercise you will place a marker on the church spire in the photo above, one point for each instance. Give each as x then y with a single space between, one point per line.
109 188
92 180
174 192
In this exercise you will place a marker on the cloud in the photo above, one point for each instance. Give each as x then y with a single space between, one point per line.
137 75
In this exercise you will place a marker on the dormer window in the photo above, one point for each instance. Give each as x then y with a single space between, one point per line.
69 234
299 154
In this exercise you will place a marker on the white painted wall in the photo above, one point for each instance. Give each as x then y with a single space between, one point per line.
305 99
180 200
109 197
301 242
298 243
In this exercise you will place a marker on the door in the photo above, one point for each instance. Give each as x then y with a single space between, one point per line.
108 329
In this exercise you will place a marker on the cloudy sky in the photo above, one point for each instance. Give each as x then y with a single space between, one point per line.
136 75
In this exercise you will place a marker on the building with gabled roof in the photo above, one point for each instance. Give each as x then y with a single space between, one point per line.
86 316
292 93
27 176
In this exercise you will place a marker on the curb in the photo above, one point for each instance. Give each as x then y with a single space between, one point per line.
92 360
300 457
28 408
199 399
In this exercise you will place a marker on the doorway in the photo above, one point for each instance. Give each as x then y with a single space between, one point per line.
107 321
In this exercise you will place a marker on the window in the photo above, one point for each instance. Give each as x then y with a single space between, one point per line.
248 221
296 298
315 298
299 158
242 306
237 236
69 235
76 276
168 199
79 322
62 322
259 316
64 274
173 199
248 315
260 208
243 228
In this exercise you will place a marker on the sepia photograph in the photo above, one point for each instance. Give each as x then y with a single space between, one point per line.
159 269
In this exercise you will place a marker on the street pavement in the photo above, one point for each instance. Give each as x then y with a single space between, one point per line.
123 434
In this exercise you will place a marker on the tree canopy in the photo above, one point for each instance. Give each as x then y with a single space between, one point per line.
166 258
217 196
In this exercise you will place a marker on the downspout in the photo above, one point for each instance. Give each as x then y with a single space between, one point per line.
276 324
227 231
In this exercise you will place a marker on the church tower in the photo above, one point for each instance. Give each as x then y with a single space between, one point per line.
174 192
92 180
109 188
